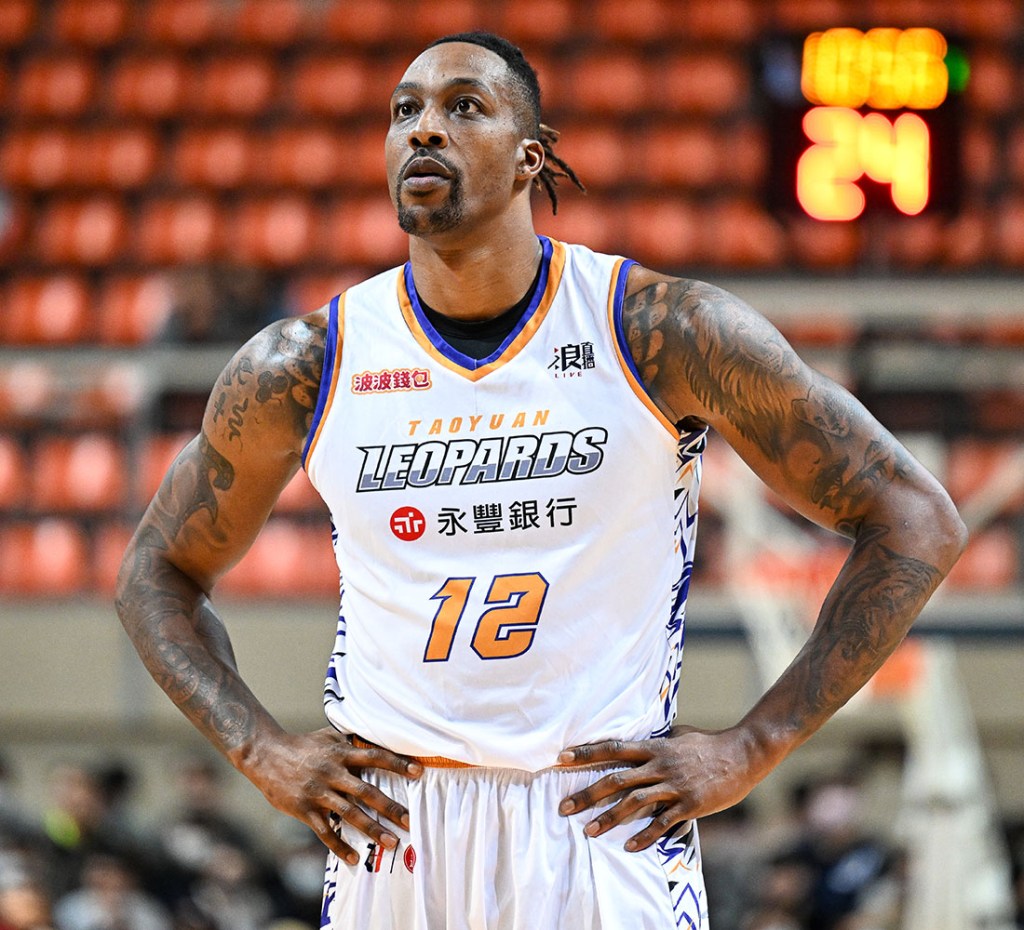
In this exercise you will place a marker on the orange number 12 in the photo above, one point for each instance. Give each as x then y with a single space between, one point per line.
503 631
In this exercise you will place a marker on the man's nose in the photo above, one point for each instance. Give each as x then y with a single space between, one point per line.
428 131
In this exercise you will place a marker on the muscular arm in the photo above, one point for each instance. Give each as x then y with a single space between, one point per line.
208 510
706 357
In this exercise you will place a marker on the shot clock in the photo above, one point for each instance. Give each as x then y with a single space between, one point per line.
863 121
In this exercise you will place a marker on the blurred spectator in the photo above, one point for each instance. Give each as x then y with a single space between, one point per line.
228 892
17 826
219 304
729 850
23 904
109 899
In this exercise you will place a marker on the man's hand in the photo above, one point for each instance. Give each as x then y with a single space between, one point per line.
315 778
687 774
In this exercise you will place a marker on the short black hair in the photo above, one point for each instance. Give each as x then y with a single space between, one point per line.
524 78
527 87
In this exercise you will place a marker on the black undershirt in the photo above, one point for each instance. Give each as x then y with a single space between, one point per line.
479 338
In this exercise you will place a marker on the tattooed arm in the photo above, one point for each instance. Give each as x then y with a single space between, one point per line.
208 510
707 358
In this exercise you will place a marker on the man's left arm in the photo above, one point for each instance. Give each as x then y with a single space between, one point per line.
705 356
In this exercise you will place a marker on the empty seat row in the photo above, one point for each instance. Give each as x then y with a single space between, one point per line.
59 557
94 472
668 230
279 23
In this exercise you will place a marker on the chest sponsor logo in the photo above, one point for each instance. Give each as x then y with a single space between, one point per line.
572 359
389 380
481 461
408 523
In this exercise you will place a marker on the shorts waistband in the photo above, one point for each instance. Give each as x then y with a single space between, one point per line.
438 762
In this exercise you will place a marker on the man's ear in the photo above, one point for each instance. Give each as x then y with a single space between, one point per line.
529 160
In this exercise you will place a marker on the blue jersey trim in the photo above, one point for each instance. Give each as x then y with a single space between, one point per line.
453 354
326 377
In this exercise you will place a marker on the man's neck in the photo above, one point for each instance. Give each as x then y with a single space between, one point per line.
478 279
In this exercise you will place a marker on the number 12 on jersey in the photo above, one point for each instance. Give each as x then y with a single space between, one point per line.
503 631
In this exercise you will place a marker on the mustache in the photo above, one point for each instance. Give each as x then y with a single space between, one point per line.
424 152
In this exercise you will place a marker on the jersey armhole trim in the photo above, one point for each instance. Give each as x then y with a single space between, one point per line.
616 297
329 377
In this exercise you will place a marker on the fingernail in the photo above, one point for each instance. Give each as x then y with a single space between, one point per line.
352 859
405 821
592 828
631 845
566 757
389 840
414 769
567 806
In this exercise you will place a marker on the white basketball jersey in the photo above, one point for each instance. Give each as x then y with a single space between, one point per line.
515 534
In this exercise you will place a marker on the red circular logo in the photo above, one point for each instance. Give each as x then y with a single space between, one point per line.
408 523
409 858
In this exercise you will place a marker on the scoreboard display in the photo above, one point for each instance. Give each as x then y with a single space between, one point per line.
863 121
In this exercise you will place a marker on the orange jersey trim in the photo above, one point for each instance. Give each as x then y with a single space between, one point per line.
555 268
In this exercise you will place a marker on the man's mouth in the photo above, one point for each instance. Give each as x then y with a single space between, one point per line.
425 173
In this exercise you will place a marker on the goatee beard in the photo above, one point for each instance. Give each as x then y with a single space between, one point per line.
446 217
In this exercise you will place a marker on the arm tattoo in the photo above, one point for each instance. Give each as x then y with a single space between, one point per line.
168 616
738 366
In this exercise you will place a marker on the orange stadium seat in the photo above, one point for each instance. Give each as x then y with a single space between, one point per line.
83 473
157 455
240 84
982 153
540 22
55 85
335 85
364 232
424 22
364 165
27 392
664 231
39 159
83 232
122 159
179 229
46 310
709 84
112 399
801 15
998 411
992 88
738 233
310 292
17 18
286 561
991 562
275 231
154 86
362 22
223 157
601 153
185 23
47 558
610 84
987 19
109 543
734 21
273 23
1009 232
744 149
587 219
973 463
92 23
307 156
815 244
639 21
688 155
132 310
13 474
967 241
299 497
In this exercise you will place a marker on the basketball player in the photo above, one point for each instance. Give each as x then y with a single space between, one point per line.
508 434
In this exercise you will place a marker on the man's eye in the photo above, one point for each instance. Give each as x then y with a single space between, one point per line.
404 110
465 105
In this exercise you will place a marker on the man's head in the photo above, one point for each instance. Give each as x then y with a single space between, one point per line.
466 142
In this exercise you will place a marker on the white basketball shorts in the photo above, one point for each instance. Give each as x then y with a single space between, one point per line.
488 850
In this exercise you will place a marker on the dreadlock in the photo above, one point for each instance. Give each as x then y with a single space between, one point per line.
524 81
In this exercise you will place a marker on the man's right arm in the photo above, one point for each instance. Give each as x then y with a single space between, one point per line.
210 507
